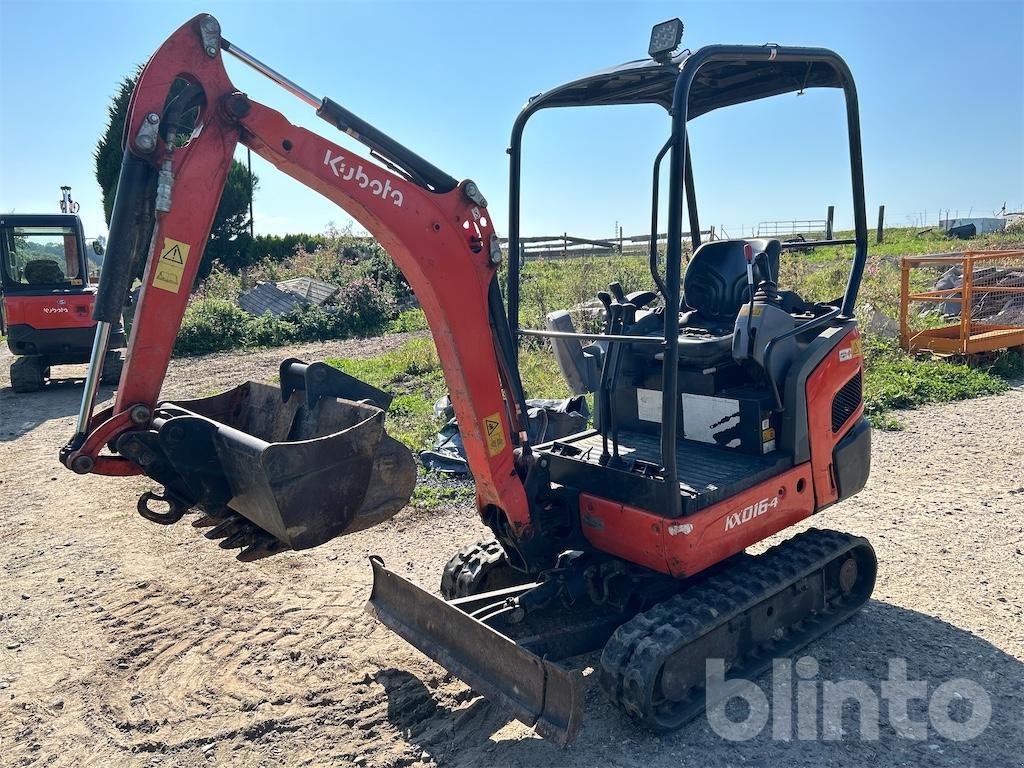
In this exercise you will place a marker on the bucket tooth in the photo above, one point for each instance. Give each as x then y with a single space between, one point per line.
242 538
227 527
267 547
206 520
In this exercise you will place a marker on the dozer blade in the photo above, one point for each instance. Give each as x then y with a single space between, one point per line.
260 460
535 691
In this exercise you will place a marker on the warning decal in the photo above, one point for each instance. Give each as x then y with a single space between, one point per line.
494 434
171 265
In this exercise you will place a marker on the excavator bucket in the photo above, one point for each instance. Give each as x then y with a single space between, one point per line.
535 690
274 469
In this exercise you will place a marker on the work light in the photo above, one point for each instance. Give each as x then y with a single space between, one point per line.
665 38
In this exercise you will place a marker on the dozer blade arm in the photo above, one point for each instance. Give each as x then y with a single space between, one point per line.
438 231
535 691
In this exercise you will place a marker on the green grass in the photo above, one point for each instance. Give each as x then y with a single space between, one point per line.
436 491
894 380
408 320
412 373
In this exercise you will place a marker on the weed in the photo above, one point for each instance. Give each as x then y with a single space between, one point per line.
895 380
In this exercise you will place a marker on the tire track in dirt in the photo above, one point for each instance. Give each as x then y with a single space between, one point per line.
149 646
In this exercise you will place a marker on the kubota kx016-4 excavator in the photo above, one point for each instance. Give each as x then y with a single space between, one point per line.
727 409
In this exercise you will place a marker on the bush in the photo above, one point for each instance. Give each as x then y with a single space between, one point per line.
211 325
318 324
409 320
364 307
270 331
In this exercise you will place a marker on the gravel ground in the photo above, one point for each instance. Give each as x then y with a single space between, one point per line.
125 643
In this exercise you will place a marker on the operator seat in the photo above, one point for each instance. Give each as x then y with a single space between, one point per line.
43 272
714 289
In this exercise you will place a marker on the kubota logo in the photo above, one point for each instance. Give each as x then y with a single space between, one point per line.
54 310
358 176
749 513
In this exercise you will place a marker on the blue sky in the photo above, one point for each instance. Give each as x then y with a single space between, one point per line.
941 88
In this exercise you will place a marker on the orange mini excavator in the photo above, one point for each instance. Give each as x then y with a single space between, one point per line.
46 300
727 408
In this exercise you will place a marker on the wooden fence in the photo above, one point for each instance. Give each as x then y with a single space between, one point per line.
566 246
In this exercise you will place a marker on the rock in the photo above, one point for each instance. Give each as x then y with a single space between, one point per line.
879 324
60 579
12 645
25 596
57 704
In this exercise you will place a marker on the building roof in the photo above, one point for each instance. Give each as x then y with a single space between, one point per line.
316 291
267 297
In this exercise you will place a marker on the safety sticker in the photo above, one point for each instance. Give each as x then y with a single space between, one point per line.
494 434
846 353
855 345
171 265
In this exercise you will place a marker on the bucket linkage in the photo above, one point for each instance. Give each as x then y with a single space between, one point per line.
276 468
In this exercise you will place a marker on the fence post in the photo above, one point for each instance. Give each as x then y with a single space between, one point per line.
904 302
565 243
828 222
620 240
881 223
966 302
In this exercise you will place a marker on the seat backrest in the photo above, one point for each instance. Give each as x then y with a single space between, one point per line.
42 272
715 283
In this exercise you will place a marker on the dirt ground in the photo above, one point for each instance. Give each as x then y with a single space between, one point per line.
126 643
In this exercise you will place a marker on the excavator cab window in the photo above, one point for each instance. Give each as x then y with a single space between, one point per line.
36 257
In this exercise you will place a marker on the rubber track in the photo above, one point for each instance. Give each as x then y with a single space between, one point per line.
635 654
27 375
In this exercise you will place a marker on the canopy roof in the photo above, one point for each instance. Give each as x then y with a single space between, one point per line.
717 83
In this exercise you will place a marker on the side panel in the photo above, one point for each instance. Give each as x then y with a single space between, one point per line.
687 545
840 366
50 310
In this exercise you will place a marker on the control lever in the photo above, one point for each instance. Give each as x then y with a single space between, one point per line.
628 317
748 254
617 292
606 301
615 325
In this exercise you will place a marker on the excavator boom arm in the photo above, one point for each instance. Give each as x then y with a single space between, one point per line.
441 238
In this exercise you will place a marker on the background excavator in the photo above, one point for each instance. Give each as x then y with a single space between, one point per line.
46 298
727 408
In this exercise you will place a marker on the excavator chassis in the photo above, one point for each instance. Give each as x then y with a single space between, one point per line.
747 611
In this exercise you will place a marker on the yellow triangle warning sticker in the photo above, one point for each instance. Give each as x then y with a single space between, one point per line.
173 255
171 266
495 434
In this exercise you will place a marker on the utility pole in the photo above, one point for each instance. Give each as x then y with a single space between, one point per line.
248 158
